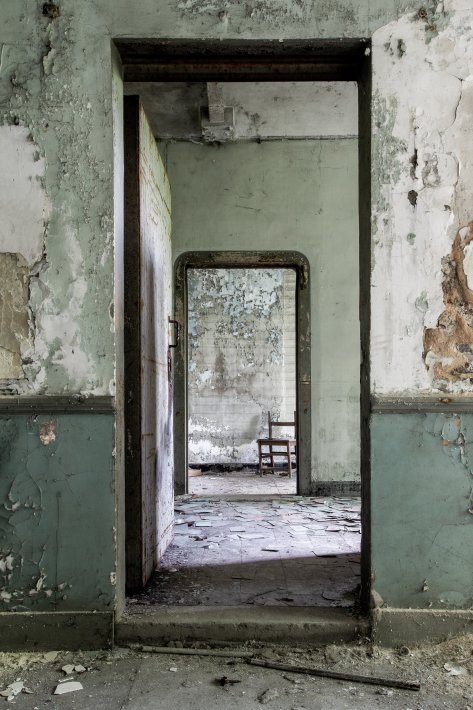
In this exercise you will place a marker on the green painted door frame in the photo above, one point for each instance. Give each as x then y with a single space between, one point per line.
244 260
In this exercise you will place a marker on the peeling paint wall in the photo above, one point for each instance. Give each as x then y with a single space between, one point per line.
241 359
14 326
56 504
289 195
422 177
422 317
56 199
421 516
55 89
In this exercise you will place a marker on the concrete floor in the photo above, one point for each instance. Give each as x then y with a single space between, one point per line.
132 680
286 551
244 482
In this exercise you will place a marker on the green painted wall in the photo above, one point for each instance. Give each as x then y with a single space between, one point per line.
57 512
55 81
291 195
421 496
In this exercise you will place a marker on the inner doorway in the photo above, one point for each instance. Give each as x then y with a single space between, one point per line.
241 377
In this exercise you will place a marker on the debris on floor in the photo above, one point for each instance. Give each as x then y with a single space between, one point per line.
68 686
336 675
70 668
285 551
14 689
268 695
135 680
226 681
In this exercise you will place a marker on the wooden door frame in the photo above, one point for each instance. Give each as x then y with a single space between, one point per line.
244 260
346 59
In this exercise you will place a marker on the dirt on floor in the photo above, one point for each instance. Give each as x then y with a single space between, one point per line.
289 551
130 679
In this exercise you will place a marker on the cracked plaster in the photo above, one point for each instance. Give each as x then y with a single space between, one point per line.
421 146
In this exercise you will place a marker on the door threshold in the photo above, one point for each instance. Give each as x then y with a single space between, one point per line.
311 625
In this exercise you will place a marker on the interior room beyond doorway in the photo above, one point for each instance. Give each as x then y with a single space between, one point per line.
282 184
241 365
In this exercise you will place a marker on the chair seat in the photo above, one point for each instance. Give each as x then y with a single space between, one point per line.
272 448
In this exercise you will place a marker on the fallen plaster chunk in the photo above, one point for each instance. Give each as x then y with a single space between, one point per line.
68 669
14 689
50 656
69 686
268 695
453 669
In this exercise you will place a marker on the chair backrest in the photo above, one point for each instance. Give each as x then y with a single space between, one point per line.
273 423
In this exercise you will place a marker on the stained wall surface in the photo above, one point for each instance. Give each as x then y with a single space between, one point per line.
421 316
155 364
289 195
56 108
241 360
421 514
57 517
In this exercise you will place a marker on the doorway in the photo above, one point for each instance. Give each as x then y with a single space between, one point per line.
178 413
241 375
274 265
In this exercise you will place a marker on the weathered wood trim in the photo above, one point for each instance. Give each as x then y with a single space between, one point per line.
132 355
57 404
364 216
245 260
241 60
414 405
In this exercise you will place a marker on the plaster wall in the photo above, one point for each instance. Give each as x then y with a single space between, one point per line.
422 174
289 195
421 336
260 109
57 513
241 360
155 262
421 513
55 84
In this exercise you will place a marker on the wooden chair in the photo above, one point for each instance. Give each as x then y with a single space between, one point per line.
274 447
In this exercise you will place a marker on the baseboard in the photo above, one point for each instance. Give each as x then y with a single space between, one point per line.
336 488
409 627
312 625
55 631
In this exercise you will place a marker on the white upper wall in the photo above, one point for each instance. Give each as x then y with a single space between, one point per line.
261 109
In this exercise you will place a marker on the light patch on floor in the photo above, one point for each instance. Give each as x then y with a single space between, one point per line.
243 482
287 551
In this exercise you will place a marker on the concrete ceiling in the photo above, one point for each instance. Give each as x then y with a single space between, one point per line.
260 109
